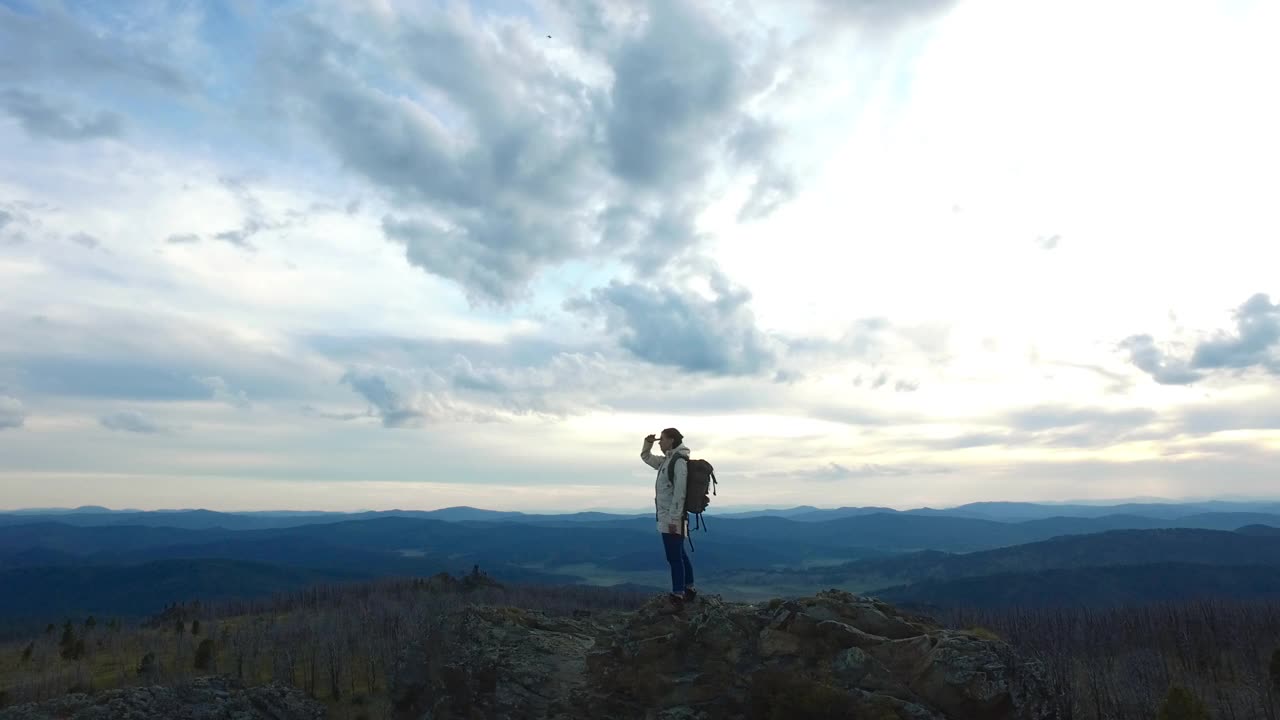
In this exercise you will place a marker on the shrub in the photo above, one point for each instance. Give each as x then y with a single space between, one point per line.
204 654
147 666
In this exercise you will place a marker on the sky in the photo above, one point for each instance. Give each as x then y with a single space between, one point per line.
373 254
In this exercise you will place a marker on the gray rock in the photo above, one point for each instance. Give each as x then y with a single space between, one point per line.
209 698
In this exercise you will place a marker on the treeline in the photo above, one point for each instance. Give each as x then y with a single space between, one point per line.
1193 660
336 642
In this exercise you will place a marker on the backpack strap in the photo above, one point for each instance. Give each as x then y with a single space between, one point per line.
671 468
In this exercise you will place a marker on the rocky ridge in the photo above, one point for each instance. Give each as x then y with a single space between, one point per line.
833 655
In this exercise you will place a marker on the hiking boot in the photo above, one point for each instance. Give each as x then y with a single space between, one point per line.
690 594
677 601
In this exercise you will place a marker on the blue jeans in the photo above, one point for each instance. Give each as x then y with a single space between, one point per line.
681 568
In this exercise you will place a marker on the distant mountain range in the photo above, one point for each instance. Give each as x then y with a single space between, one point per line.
1093 587
130 562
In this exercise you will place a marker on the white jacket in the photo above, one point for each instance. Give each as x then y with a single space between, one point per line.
668 498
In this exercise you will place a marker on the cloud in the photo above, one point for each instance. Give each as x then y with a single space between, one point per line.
509 154
752 146
555 377
679 327
1256 344
53 45
1204 418
130 421
12 413
1050 417
879 15
41 117
876 340
313 411
97 352
397 397
473 389
182 239
13 219
255 217
85 240
569 383
1067 426
222 392
835 471
1150 359
1117 383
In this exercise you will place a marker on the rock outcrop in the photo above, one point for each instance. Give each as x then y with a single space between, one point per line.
834 655
205 698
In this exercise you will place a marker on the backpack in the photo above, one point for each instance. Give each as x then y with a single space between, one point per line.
701 478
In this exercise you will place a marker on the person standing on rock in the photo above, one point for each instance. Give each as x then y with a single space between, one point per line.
668 502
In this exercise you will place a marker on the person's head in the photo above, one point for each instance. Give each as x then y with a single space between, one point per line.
670 438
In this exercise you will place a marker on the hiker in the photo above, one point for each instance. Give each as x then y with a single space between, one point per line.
668 502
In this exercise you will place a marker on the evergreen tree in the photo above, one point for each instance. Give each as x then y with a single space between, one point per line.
204 654
1275 668
195 627
67 645
148 666
26 652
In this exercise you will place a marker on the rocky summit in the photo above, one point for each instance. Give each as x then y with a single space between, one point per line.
833 655
207 698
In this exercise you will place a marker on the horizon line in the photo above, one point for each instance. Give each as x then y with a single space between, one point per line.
1105 502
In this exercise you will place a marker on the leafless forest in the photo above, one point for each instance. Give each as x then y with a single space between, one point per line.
1123 663
338 643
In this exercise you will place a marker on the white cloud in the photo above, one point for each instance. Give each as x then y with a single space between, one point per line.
12 413
130 421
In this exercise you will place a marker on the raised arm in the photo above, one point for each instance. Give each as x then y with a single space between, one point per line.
653 461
